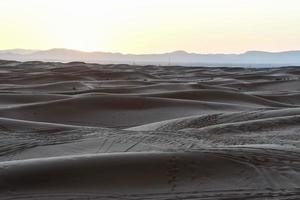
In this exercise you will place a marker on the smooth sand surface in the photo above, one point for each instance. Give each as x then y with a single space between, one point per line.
89 131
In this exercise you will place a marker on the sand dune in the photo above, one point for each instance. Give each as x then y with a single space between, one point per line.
275 86
222 97
291 98
7 100
12 125
216 119
113 110
152 175
88 131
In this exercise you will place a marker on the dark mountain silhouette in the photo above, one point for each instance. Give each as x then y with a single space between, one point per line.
172 58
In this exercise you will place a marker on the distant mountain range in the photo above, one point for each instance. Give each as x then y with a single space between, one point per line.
250 58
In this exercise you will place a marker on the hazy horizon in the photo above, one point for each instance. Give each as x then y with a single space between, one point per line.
143 27
175 50
20 51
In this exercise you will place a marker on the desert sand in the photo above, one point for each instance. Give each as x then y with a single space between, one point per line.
90 131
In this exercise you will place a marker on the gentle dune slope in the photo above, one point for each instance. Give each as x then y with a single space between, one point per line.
154 175
293 99
220 96
216 119
275 86
17 99
113 110
89 131
11 125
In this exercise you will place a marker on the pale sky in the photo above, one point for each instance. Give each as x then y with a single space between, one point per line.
151 26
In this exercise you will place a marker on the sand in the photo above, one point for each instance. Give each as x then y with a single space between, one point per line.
90 131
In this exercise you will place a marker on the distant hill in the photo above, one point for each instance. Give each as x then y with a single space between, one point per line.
173 58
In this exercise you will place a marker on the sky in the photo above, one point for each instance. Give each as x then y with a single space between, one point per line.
151 26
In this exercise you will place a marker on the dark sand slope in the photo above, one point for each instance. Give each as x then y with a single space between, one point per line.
89 131
9 100
232 174
293 99
222 97
12 125
113 110
217 119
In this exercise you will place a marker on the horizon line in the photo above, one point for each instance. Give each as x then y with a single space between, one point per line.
167 52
